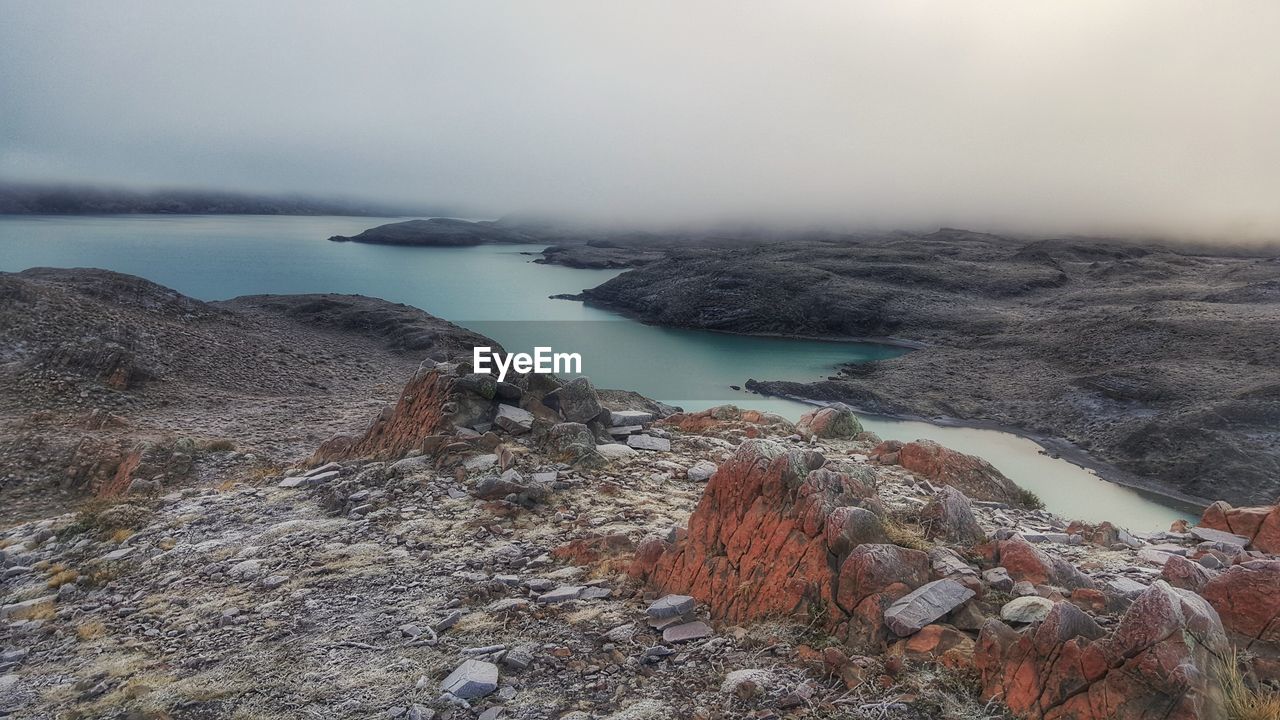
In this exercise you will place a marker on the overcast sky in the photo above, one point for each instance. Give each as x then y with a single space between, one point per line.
1152 116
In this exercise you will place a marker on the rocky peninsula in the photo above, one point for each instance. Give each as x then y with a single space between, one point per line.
1158 359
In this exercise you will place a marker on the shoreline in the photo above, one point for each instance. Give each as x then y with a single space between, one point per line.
1056 448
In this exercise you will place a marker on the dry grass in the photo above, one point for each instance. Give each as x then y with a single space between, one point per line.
40 611
905 535
1245 701
91 630
61 576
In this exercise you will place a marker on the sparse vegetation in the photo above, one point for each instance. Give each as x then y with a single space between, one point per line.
109 515
1029 500
60 575
91 630
1246 700
904 533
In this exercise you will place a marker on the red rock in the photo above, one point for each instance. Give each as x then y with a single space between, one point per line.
1186 574
1247 598
1026 562
972 475
1260 524
728 421
590 550
1089 599
1159 663
772 536
437 400
949 516
836 421
935 640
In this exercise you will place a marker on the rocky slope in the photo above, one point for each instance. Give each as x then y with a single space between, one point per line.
533 549
1158 360
104 375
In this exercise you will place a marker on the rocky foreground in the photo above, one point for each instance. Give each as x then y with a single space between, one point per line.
538 549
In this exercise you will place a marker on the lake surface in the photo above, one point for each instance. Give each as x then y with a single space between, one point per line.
498 291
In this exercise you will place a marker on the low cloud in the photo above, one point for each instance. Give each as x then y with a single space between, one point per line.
1141 117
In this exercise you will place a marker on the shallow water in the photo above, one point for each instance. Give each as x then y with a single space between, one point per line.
496 290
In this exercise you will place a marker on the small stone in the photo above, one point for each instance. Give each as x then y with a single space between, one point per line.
998 578
1029 609
748 683
274 581
119 554
472 679
701 471
670 606
649 442
245 570
615 451
564 593
686 632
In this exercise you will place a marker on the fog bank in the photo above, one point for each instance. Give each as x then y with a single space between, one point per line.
1141 117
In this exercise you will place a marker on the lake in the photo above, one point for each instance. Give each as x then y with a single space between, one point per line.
498 291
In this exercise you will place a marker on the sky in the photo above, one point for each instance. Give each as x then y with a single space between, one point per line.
1115 116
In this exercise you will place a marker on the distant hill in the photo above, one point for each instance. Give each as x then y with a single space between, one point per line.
43 199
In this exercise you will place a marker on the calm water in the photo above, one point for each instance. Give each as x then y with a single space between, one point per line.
495 290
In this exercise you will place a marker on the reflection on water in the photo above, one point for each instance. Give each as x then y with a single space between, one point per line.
494 290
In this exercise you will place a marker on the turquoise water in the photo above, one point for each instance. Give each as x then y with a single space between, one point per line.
497 291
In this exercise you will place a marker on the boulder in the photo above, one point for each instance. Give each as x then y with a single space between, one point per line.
1186 574
513 419
1025 562
576 400
949 517
571 442
971 475
775 534
701 471
1247 598
940 643
1026 610
670 606
920 607
1259 526
1162 661
835 421
630 417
